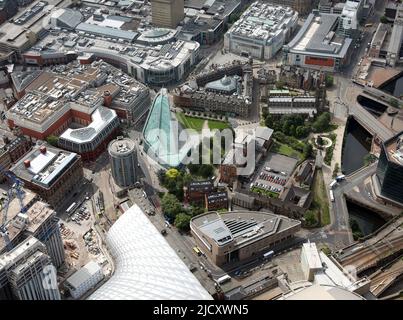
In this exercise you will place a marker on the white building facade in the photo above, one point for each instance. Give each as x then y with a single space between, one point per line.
261 31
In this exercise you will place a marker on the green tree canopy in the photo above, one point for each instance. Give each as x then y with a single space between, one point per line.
329 80
182 221
171 205
322 123
310 218
308 150
384 19
53 140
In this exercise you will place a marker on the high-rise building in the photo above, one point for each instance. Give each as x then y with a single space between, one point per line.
350 18
39 221
27 273
396 39
390 169
122 155
167 13
42 223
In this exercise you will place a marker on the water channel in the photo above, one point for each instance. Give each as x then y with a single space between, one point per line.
357 144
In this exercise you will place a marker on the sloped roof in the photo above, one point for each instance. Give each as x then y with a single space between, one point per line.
146 267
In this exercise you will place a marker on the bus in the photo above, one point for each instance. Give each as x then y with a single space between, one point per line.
72 208
331 195
369 25
223 279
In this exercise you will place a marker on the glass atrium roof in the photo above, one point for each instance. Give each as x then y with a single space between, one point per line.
161 133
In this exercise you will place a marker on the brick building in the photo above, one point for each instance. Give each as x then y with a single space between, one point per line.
52 173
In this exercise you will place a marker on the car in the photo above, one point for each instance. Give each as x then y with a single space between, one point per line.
163 232
192 267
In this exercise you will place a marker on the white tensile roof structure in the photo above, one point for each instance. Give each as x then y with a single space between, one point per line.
146 267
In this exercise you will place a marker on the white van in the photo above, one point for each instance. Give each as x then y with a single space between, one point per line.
223 279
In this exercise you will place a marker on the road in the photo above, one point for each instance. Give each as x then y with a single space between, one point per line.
339 213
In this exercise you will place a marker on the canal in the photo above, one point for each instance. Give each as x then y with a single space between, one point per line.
357 144
394 86
367 220
372 106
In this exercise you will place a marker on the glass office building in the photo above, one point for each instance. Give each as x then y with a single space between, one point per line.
390 168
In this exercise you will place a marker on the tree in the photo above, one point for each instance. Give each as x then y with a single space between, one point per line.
193 168
195 210
394 103
356 230
301 131
161 176
326 250
206 170
369 158
269 121
336 170
310 218
172 173
319 141
384 19
53 140
329 80
280 84
171 205
308 150
182 221
322 123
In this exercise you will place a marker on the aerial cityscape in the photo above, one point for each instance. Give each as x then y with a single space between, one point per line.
214 150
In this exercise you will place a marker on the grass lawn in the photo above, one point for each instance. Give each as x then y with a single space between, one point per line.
265 192
320 202
197 123
285 150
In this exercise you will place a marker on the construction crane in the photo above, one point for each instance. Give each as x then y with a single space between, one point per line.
17 187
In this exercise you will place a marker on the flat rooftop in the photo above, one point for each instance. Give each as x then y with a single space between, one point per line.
241 227
57 89
317 37
222 8
14 208
263 21
83 275
33 18
121 146
43 165
29 245
146 56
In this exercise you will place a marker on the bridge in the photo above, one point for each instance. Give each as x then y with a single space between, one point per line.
370 123
348 97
